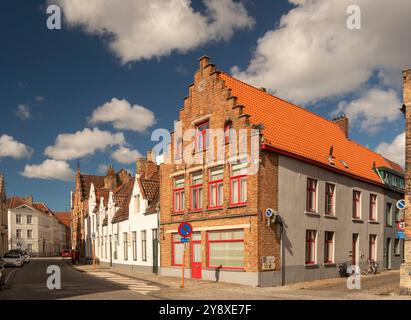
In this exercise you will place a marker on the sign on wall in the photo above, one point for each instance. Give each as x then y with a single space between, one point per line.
268 263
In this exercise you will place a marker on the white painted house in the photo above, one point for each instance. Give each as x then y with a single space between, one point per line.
33 227
124 221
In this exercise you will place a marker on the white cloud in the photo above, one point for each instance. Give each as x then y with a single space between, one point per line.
394 150
102 169
372 110
23 112
143 29
13 149
39 99
82 143
49 170
123 115
312 55
125 155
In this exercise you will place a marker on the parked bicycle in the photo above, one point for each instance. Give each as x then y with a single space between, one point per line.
372 267
345 270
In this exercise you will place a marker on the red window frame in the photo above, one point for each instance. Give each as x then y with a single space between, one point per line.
173 243
197 187
220 241
181 192
311 190
329 199
373 207
328 243
372 247
201 135
356 204
310 244
216 183
239 178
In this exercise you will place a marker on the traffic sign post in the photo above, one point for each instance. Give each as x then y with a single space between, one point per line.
184 230
400 204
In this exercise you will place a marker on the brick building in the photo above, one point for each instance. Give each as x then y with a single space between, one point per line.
333 200
64 219
80 202
405 282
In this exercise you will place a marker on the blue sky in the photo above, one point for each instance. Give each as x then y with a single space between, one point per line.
52 81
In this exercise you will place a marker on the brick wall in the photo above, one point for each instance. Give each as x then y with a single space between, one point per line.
210 100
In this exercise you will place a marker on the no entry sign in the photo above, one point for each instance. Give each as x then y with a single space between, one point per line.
185 229
401 226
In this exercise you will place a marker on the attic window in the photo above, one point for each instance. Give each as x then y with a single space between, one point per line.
345 164
331 160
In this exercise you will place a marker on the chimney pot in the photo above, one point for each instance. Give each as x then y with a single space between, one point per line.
342 122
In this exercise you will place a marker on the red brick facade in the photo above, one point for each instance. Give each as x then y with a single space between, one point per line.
209 100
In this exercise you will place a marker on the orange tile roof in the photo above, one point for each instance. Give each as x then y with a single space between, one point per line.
299 132
63 217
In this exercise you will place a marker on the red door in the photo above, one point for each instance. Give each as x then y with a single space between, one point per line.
196 259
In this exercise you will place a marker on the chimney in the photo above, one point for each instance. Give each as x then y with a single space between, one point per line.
110 180
141 164
150 155
29 200
342 122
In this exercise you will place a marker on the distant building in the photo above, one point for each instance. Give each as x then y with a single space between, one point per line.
64 218
80 202
34 227
3 217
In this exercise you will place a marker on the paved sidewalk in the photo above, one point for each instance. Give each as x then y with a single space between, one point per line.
377 287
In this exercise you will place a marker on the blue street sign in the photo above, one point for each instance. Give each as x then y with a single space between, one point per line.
185 240
400 235
269 212
400 204
185 229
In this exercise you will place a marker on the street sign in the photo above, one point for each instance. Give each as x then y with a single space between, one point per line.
185 240
401 226
269 212
185 229
268 263
400 235
400 204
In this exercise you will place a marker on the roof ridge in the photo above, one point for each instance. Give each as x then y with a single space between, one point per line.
274 96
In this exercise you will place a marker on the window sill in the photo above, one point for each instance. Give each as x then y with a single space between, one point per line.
233 206
313 214
225 269
214 209
329 264
373 221
397 254
195 211
177 213
311 265
357 220
329 216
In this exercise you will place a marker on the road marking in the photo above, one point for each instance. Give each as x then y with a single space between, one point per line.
8 276
136 285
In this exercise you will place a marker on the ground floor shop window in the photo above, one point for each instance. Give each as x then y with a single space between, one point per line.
225 249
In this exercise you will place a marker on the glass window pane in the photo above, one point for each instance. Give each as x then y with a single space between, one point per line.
178 253
227 254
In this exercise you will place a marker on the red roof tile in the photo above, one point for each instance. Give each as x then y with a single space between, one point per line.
299 132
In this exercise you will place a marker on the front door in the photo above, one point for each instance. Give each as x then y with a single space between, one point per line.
196 255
